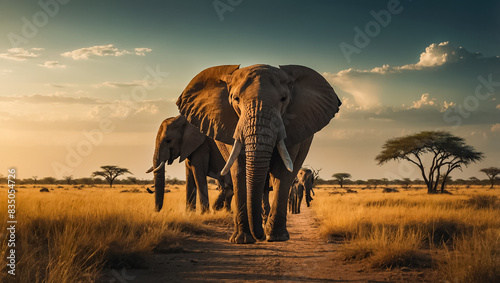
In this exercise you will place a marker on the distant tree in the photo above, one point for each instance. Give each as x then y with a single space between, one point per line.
374 182
449 152
341 177
85 181
49 180
132 180
110 173
315 174
35 178
406 183
491 172
68 179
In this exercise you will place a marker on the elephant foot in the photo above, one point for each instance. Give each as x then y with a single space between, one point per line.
278 237
242 238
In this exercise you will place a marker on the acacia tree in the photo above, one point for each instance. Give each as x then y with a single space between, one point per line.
110 173
491 172
35 178
448 152
341 177
68 179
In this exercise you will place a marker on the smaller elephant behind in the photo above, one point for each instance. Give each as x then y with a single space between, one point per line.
303 183
177 138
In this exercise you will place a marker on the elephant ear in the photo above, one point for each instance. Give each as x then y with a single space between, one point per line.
192 138
205 103
312 105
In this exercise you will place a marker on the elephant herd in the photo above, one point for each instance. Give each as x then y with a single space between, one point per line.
250 129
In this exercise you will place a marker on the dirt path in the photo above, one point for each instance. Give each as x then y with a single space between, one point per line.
305 257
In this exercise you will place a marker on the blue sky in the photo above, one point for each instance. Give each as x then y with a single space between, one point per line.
84 63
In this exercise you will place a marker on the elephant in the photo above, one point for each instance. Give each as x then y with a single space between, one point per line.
177 138
295 197
303 182
226 195
266 117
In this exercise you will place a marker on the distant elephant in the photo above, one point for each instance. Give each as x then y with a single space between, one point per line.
295 197
269 115
177 138
303 183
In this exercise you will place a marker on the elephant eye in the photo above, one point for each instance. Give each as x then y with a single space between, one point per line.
283 99
168 140
237 99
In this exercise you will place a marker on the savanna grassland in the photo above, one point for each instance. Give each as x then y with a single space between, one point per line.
74 233
71 233
457 234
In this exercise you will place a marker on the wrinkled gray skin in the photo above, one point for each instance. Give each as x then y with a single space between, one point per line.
177 138
226 195
269 115
303 183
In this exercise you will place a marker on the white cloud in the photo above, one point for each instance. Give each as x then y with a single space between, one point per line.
142 51
20 54
52 65
122 84
5 72
57 98
102 50
60 85
495 128
436 54
424 101
364 92
440 54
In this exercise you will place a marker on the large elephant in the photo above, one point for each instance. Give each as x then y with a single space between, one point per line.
177 138
269 115
303 183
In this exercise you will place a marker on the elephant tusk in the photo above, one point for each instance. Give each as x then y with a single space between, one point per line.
232 157
162 164
150 169
285 156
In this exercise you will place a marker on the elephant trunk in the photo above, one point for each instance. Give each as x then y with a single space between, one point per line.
260 140
159 161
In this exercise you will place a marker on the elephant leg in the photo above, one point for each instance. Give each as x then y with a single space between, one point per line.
190 190
265 206
200 179
299 203
276 224
227 201
242 233
221 198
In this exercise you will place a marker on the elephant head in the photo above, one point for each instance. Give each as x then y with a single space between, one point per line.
259 108
305 177
176 138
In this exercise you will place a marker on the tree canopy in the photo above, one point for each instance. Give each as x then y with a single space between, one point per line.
491 172
340 177
110 173
448 152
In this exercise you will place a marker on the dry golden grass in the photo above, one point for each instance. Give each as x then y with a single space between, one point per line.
399 229
69 235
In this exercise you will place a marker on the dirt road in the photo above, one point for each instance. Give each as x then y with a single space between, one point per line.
305 257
